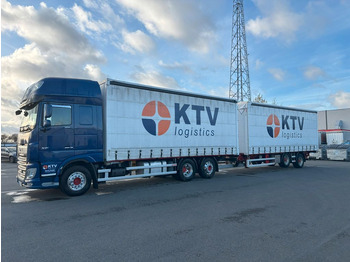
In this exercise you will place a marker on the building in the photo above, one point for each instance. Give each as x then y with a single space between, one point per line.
334 126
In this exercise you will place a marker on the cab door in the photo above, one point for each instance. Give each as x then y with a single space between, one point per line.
56 139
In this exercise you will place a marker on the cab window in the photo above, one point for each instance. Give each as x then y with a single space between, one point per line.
61 115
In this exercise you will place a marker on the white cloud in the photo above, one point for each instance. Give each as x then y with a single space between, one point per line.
314 73
340 99
277 73
155 78
94 72
278 20
258 64
137 41
110 21
181 20
220 92
176 66
49 30
87 24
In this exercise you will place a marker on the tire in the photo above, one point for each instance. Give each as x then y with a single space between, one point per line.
186 170
207 167
12 159
75 181
285 160
299 161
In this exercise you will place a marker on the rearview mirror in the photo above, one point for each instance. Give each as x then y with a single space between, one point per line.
47 111
47 123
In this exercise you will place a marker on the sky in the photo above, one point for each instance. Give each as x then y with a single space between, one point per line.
299 51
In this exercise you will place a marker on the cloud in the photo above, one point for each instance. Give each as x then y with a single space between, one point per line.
258 64
277 73
277 21
313 73
49 30
176 66
180 20
110 20
87 24
220 92
155 78
340 99
137 41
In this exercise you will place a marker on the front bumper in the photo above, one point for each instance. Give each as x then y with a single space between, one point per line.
37 181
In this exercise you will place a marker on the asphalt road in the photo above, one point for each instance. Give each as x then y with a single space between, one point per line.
258 214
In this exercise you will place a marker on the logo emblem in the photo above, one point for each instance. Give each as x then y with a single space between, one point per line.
273 126
156 118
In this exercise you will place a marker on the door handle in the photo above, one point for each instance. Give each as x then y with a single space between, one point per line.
68 147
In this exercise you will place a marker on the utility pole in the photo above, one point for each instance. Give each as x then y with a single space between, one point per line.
239 70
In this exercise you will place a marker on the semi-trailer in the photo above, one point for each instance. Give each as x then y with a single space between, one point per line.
76 132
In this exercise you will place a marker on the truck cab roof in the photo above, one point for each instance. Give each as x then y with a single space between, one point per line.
65 89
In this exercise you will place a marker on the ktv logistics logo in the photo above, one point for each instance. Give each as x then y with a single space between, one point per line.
156 118
273 126
188 120
291 126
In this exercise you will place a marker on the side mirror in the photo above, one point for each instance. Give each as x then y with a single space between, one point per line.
47 111
47 123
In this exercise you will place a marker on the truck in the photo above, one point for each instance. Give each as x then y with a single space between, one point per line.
78 132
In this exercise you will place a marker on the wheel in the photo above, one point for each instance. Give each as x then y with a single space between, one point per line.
186 170
299 161
207 168
285 160
75 181
12 159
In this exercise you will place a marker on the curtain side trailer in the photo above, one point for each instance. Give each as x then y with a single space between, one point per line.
270 134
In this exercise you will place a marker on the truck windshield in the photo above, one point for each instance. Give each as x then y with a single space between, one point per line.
29 119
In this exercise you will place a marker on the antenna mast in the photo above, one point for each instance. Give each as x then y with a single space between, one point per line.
239 70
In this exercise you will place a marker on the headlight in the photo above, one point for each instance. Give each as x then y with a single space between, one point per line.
30 173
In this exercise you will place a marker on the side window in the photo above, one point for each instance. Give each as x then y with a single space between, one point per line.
61 115
85 115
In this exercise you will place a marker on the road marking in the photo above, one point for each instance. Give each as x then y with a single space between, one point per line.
13 192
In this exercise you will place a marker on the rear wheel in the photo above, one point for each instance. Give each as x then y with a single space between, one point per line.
75 181
207 168
285 160
299 161
186 170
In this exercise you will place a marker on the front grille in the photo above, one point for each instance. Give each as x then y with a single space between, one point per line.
22 166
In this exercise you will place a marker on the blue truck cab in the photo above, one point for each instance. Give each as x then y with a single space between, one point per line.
61 136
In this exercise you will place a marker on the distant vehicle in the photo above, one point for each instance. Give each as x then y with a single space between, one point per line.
9 153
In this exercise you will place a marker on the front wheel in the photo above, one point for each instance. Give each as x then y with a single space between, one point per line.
207 168
75 181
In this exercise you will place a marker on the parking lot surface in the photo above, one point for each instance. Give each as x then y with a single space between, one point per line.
257 214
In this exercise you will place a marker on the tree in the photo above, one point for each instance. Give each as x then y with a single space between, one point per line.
13 137
4 138
260 99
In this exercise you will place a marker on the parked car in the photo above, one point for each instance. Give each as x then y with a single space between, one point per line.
9 153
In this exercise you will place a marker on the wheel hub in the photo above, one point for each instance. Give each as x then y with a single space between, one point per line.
187 170
76 181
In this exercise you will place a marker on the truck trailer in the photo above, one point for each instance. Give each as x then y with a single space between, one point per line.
271 134
76 132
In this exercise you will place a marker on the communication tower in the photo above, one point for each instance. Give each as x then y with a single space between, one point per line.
239 70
